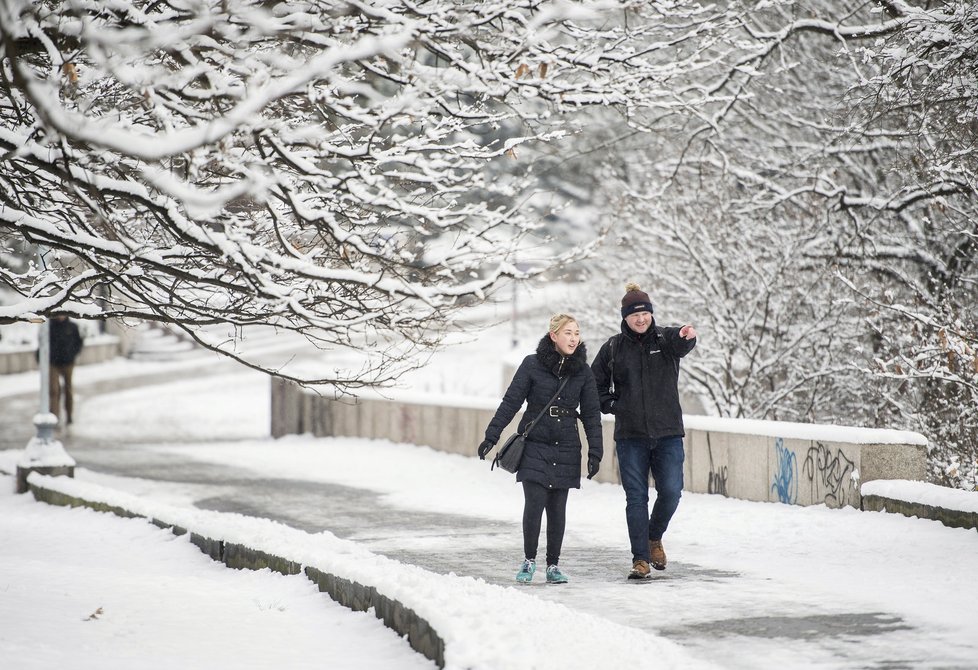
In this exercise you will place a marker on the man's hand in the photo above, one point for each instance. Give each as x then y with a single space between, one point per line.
592 467
687 333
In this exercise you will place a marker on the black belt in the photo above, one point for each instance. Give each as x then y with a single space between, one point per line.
562 411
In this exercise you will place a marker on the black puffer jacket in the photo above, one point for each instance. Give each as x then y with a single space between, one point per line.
645 401
553 448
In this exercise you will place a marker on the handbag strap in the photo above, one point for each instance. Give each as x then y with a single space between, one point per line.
529 427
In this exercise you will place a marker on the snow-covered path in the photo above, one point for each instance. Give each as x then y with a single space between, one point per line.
82 590
750 585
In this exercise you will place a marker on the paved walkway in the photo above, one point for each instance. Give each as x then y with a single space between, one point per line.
454 544
745 627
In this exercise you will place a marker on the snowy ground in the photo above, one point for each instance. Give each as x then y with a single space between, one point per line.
83 590
750 585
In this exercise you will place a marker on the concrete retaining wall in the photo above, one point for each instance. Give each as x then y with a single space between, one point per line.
797 471
24 359
779 462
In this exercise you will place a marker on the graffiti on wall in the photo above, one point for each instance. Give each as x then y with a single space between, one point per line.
718 475
785 482
832 476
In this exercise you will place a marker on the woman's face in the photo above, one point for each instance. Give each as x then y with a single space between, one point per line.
566 338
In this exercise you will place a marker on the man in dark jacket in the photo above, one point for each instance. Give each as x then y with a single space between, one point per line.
637 375
65 345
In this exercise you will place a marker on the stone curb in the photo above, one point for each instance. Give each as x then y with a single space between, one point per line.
358 597
951 518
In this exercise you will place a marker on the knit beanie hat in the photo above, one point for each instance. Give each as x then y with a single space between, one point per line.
635 300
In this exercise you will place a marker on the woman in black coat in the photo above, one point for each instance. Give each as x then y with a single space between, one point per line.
551 464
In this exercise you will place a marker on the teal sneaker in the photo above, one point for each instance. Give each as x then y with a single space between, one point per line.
555 576
526 571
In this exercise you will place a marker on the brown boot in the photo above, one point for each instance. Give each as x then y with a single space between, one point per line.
658 554
640 570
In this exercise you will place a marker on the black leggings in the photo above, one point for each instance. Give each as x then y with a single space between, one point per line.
536 498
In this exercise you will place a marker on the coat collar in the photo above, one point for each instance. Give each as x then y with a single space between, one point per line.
550 358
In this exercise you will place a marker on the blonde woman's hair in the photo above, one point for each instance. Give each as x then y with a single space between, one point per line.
558 321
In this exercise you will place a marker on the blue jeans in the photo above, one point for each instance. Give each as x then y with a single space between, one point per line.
637 458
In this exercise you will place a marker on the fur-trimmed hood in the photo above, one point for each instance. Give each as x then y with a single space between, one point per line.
551 359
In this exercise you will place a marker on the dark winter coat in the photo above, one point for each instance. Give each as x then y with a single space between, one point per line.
553 447
645 401
65 342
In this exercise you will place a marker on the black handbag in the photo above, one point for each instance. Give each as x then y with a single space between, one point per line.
510 455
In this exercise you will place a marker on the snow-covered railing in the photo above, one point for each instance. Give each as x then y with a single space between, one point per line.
801 464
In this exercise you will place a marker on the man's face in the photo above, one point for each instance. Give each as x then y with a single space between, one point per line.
639 321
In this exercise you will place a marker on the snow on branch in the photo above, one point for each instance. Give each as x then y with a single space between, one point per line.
338 170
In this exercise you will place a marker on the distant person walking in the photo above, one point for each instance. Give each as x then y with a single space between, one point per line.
637 375
65 345
551 464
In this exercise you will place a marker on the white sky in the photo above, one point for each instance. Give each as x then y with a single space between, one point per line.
164 604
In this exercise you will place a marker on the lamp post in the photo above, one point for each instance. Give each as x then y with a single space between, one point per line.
44 453
516 314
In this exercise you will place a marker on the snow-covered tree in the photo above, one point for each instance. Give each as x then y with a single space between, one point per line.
919 279
820 226
288 163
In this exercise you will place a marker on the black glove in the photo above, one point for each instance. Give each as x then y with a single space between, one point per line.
485 448
592 467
